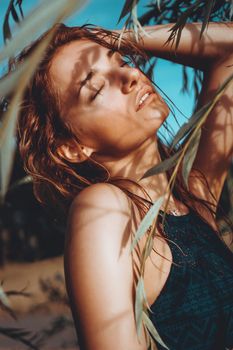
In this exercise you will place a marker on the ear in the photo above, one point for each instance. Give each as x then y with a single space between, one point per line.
74 153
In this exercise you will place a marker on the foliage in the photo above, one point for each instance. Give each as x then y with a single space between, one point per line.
46 13
54 290
21 335
178 12
16 11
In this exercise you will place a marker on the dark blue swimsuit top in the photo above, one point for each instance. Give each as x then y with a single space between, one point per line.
194 311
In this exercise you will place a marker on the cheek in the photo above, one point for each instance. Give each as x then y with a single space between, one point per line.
112 133
113 102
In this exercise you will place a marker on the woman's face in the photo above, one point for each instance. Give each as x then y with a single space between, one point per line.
112 107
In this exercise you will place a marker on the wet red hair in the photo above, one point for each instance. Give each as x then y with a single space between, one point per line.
42 130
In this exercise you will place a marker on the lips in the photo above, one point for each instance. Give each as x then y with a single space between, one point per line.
143 96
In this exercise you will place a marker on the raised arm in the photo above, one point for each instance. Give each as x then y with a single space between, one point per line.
214 55
99 272
192 51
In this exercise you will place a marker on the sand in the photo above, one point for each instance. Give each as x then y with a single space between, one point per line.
42 312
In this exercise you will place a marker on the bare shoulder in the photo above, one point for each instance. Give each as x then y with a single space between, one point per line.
99 221
98 205
101 194
99 269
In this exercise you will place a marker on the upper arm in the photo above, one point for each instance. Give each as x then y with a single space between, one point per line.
99 272
216 144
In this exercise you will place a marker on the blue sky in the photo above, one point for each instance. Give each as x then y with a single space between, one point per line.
105 13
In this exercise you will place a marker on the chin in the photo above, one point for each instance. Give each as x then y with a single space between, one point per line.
157 116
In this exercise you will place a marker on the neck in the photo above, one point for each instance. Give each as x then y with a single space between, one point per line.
134 165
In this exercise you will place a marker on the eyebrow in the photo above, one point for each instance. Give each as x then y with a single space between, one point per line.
90 74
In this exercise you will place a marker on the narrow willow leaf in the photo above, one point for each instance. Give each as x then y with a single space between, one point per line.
178 35
150 343
135 20
128 5
162 166
24 181
202 120
7 145
176 30
201 113
3 298
207 11
10 81
14 14
39 18
147 221
139 301
159 4
190 156
149 246
231 10
19 3
6 29
188 127
185 88
153 330
7 130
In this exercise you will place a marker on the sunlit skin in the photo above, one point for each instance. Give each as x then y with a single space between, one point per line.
111 129
104 112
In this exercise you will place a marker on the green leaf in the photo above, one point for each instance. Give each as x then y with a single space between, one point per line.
7 130
147 221
3 297
6 29
139 301
47 13
159 4
201 113
149 246
176 30
162 166
151 328
128 6
14 14
188 127
231 10
7 145
23 181
190 156
207 11
10 81
185 88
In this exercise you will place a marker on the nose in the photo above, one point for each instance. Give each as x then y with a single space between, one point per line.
130 79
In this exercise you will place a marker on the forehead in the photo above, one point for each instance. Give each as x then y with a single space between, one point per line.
73 61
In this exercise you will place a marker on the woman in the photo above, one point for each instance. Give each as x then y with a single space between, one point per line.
87 127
